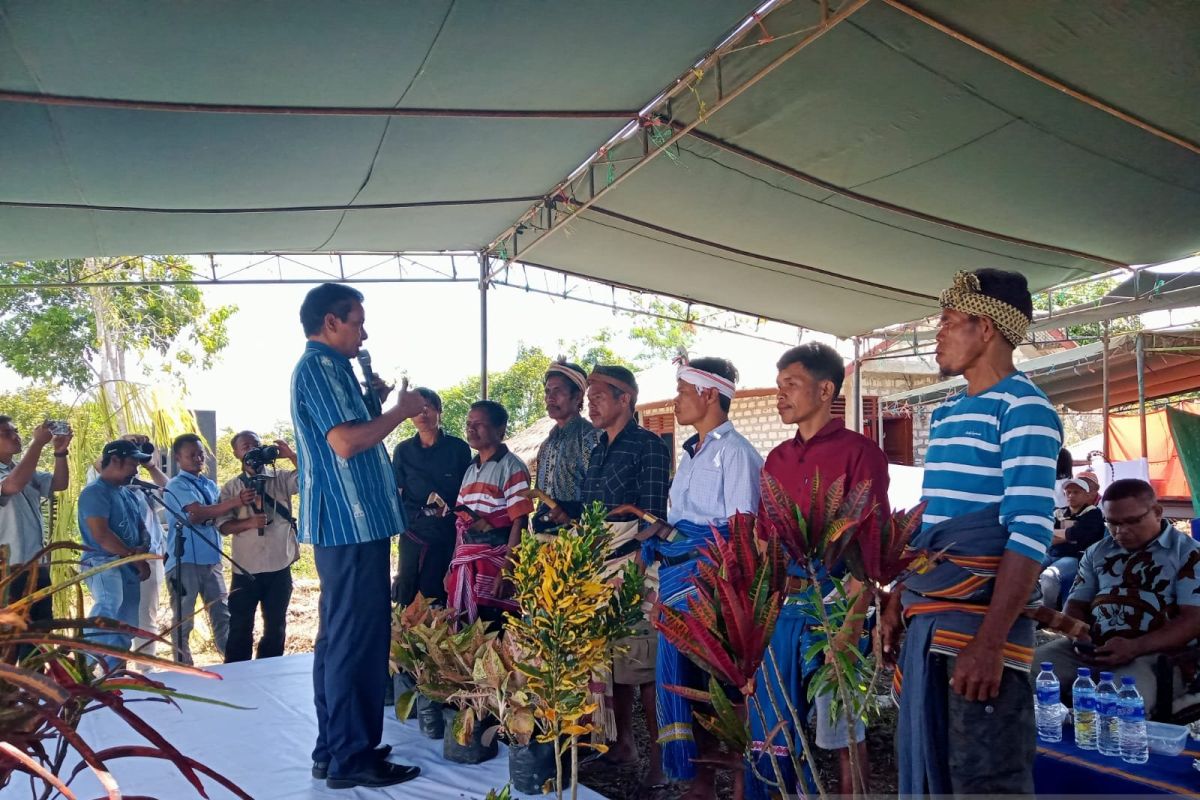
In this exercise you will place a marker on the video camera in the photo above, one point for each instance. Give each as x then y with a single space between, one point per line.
260 456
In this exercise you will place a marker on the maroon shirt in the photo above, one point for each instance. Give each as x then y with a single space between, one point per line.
835 451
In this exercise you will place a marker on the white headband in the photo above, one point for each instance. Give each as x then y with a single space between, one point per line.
705 380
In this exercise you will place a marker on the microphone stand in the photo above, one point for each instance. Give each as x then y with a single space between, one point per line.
182 525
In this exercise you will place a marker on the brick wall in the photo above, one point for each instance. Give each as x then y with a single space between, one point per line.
752 413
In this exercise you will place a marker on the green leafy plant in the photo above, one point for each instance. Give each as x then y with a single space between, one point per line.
569 617
45 693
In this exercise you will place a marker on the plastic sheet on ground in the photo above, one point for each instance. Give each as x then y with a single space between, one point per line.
267 750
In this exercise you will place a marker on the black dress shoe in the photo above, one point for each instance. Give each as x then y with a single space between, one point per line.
320 769
381 773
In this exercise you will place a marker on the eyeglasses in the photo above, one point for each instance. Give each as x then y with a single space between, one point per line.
1123 523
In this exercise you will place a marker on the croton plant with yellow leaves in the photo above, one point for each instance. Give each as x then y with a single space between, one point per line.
569 617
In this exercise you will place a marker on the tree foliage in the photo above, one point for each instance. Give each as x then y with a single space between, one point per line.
79 334
1082 294
661 338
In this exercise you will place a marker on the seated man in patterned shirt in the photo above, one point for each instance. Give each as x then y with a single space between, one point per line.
1138 588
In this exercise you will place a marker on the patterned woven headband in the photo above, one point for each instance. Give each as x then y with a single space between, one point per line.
568 373
966 296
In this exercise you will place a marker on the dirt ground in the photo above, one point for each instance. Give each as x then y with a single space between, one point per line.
615 783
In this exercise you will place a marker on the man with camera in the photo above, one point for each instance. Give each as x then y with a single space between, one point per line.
22 490
194 549
147 617
264 545
111 527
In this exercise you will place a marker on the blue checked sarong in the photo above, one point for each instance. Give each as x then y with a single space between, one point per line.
675 735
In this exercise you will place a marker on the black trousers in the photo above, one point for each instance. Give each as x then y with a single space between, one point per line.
41 611
351 654
422 573
270 590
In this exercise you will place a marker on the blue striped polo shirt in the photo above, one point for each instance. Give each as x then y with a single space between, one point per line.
342 501
999 446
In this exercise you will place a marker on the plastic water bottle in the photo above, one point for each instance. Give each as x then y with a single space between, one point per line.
1131 712
1106 709
1083 698
1046 700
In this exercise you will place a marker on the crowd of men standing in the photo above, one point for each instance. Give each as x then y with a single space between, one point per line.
460 506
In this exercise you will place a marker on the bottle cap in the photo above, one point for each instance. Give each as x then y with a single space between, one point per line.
1083 672
1047 666
1127 680
1106 676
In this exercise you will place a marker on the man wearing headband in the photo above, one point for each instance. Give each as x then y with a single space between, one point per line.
810 378
717 479
989 488
629 465
1077 526
562 460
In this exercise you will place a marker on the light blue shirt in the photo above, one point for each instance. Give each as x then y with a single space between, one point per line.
342 501
182 491
1000 446
716 481
116 505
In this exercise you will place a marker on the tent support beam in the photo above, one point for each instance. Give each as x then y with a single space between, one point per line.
858 402
784 169
483 325
564 193
1028 71
37 98
1140 348
1104 403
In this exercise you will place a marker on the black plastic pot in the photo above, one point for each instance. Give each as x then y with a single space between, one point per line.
531 765
474 751
430 718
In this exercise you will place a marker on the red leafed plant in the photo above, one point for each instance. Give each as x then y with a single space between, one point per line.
727 625
729 621
44 694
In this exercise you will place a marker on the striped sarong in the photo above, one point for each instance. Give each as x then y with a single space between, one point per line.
675 720
944 608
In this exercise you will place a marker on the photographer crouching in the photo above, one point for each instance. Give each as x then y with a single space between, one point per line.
264 543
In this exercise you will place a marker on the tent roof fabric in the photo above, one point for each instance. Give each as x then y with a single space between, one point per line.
1072 377
855 176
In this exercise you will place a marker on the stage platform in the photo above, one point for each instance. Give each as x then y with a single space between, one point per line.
266 750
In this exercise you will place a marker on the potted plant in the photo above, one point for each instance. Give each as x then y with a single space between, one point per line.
416 629
569 616
726 628
459 665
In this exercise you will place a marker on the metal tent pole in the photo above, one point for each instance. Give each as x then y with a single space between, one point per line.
483 325
1104 389
1141 378
858 403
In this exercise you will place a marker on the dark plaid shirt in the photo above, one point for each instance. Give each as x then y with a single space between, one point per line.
634 468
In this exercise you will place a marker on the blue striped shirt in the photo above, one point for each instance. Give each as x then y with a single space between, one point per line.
999 446
342 501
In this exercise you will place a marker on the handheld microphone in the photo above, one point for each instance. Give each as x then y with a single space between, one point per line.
374 405
141 484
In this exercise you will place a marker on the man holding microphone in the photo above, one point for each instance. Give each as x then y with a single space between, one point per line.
349 510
